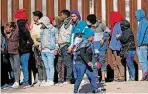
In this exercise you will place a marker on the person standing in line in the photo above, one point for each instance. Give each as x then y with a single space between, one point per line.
64 43
115 46
48 43
12 38
128 48
35 34
25 43
100 45
142 42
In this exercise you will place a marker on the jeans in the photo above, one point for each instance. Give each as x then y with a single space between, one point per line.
75 73
130 63
101 58
15 64
24 63
48 59
142 52
60 69
39 64
67 61
81 68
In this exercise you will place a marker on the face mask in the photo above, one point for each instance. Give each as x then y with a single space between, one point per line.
77 40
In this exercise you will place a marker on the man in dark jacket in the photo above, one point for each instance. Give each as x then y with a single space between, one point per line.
26 43
128 48
25 48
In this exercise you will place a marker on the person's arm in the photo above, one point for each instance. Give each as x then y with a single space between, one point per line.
141 35
106 33
125 36
28 35
52 39
84 55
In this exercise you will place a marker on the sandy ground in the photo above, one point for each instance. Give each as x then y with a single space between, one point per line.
112 87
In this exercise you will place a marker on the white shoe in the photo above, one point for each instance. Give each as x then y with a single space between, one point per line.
65 83
42 83
48 83
59 84
15 85
37 84
83 81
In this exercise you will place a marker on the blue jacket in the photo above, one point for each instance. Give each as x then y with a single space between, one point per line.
115 43
142 35
48 38
77 28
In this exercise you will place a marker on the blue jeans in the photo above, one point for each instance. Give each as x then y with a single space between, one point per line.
142 52
48 59
130 64
24 63
81 68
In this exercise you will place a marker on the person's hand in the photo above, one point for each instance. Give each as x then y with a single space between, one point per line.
90 64
101 42
69 50
56 52
38 39
118 36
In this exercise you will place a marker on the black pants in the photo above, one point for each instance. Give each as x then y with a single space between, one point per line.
60 69
39 64
5 69
67 61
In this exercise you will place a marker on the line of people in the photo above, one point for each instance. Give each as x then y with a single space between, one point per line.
73 48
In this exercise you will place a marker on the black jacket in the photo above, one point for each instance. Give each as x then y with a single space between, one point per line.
127 37
26 41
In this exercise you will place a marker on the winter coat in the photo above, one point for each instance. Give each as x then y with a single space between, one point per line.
127 38
26 41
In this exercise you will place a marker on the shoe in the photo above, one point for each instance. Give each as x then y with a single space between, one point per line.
37 84
131 79
59 84
26 85
83 82
67 82
5 86
102 82
99 90
42 83
15 85
121 80
48 83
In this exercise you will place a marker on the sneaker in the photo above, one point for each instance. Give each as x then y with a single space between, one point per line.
5 86
26 86
37 84
67 82
131 79
102 82
59 84
83 82
99 90
15 85
42 83
48 83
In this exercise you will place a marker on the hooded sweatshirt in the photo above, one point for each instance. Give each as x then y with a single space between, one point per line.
142 35
48 35
127 37
115 18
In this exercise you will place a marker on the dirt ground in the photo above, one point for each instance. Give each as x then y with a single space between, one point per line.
111 87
